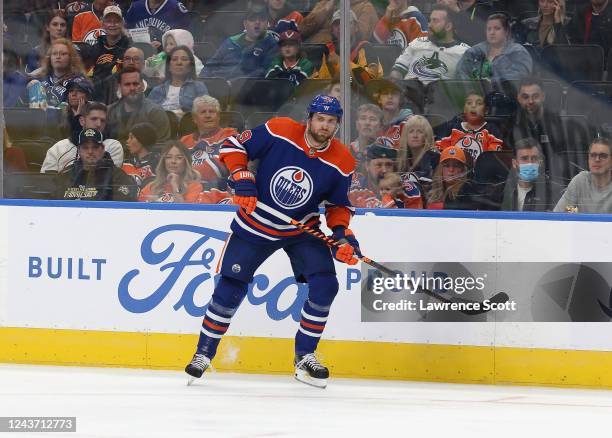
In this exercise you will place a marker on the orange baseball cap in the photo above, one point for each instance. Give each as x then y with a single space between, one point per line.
453 153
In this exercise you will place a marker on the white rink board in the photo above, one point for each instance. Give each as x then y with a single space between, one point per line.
114 237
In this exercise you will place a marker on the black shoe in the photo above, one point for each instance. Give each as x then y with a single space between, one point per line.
197 366
310 371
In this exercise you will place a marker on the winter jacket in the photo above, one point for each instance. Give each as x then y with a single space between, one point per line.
120 123
543 195
62 154
110 183
296 74
189 91
513 64
238 57
528 32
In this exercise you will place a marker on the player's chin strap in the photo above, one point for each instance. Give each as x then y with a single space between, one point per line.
500 297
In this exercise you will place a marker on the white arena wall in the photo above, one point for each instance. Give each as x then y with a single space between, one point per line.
134 278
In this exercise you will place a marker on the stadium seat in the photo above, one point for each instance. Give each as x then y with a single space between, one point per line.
186 125
30 185
492 167
578 131
447 97
25 123
35 151
221 24
250 95
204 51
591 99
233 119
435 120
385 53
147 48
259 118
314 53
174 123
573 63
218 88
413 91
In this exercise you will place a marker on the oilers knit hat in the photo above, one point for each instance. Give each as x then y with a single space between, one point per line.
145 134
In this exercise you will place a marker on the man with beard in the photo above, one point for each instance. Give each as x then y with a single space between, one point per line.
94 177
300 167
134 108
61 155
435 57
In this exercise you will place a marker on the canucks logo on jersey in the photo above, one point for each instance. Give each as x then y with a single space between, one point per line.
291 187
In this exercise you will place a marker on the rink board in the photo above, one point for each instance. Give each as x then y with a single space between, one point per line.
134 279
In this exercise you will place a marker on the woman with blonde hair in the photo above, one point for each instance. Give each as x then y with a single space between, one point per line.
175 179
417 152
451 188
549 27
59 67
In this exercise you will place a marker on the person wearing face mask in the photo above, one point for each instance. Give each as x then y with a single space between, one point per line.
471 132
528 188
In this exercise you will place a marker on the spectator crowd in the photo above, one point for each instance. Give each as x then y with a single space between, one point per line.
458 104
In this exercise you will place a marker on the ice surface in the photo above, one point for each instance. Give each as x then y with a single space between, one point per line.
111 402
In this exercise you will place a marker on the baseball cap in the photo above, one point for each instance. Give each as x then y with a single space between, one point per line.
381 148
112 9
82 83
453 153
289 35
338 13
91 135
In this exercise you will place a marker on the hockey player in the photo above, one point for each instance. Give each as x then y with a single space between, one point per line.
300 167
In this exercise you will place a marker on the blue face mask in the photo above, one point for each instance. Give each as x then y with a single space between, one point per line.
529 172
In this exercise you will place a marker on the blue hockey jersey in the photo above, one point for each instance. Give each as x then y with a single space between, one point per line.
292 179
172 14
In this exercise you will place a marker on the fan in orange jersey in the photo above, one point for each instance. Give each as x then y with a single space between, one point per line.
472 132
87 25
205 142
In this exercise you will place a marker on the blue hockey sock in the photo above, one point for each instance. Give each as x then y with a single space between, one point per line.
322 289
228 295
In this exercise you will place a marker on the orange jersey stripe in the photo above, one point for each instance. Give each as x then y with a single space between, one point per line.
215 326
312 326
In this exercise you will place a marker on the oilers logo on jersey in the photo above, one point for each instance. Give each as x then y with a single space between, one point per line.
291 187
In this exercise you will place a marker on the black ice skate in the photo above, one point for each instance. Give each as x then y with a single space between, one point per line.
196 367
308 370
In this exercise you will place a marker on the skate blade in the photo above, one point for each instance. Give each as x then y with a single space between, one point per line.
302 376
190 380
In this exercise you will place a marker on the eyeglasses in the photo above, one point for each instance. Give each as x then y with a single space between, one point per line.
132 59
598 156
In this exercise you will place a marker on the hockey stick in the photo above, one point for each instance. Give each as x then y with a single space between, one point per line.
498 298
